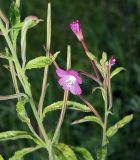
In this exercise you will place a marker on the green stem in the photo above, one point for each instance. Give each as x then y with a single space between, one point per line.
23 79
105 123
58 127
61 117
50 151
35 134
109 88
43 92
14 79
38 120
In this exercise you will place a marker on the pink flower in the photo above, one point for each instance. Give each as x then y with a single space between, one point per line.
112 61
69 80
75 27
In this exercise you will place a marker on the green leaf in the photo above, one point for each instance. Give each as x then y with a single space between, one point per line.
4 56
103 61
112 130
21 153
96 88
101 154
116 71
14 14
1 158
20 108
70 104
18 3
64 152
39 62
93 58
54 56
90 56
84 152
13 135
89 119
104 57
14 19
102 91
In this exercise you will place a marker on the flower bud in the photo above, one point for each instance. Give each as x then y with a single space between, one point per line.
112 61
75 27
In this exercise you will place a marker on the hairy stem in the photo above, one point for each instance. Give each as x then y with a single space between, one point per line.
92 61
109 87
105 122
43 92
59 124
91 77
22 78
104 137
58 127
14 78
91 107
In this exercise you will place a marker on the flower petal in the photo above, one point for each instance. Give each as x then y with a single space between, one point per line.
63 82
75 26
75 74
75 89
112 61
61 73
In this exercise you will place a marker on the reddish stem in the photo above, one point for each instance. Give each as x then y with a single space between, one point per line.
109 87
92 61
90 106
90 76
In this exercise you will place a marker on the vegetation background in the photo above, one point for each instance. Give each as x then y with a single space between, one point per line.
111 26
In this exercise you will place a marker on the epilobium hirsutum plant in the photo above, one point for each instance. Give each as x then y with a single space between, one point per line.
68 79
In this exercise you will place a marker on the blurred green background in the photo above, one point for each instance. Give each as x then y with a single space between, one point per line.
111 26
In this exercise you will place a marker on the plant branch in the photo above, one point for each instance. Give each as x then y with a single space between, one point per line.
59 124
90 76
109 87
92 61
91 107
23 78
14 79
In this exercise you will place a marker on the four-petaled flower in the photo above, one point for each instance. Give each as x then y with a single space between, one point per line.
112 61
76 28
69 80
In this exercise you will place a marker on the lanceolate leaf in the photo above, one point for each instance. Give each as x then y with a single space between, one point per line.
112 130
39 62
14 14
101 89
21 153
20 108
14 19
89 119
4 56
13 135
1 158
64 152
116 71
70 104
83 152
